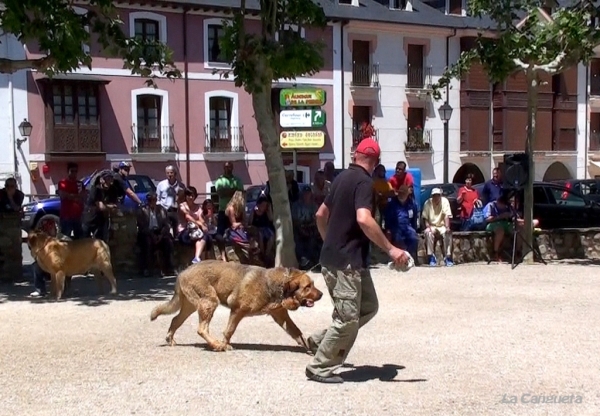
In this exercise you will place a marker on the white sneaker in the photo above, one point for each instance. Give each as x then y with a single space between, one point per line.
36 294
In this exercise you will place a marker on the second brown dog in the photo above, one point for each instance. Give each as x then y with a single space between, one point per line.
245 290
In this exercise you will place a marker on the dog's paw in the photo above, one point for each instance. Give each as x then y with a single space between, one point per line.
171 341
222 346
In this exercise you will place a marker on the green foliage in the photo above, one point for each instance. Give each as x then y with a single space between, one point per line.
286 58
60 32
537 42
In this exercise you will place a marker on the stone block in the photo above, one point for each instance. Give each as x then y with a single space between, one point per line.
11 255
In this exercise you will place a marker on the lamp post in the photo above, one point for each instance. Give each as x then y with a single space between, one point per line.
445 111
25 129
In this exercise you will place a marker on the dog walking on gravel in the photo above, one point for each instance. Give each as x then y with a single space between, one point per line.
245 290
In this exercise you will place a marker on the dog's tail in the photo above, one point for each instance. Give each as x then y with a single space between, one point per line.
169 307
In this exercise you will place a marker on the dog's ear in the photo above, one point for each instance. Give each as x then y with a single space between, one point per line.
290 287
32 238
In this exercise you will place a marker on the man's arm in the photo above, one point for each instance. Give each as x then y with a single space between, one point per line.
322 217
447 212
363 202
133 195
425 213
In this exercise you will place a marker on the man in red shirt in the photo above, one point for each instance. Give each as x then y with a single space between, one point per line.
71 193
401 177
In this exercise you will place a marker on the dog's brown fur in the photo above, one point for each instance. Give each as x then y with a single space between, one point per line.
68 258
245 290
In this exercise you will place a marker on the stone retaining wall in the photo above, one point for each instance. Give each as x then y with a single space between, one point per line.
558 244
11 255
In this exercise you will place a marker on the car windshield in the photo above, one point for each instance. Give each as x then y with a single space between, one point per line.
140 184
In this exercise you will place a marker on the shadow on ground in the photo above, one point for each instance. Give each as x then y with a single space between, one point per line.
85 292
244 347
386 372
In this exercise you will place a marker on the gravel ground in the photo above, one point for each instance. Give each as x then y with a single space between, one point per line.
446 341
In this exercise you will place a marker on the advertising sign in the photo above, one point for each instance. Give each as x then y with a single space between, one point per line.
305 97
302 118
302 139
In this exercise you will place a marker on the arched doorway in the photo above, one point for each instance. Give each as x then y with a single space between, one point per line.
464 170
556 172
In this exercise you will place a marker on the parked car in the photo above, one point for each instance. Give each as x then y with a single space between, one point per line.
253 192
558 205
589 188
40 212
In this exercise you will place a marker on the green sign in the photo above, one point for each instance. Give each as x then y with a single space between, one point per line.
306 97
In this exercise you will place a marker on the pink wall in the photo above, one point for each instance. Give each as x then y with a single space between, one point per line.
195 31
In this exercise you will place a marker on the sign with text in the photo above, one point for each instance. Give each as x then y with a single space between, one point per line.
302 139
302 118
305 97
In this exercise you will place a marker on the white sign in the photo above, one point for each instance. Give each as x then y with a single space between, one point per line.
300 118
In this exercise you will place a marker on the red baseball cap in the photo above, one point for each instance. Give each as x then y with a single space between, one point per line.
368 147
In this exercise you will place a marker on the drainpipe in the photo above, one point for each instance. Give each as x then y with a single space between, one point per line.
446 123
343 106
186 97
587 121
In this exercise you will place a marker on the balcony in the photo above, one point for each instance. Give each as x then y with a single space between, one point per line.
224 143
418 141
419 78
67 142
152 143
357 136
365 80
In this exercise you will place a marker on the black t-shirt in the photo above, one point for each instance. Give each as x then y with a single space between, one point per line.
117 190
345 243
5 205
92 214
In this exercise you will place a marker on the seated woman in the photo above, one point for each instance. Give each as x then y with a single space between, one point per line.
192 229
209 217
236 212
261 217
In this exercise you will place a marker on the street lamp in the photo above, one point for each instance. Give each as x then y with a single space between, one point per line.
25 129
445 111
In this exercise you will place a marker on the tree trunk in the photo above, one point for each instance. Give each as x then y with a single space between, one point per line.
265 122
532 98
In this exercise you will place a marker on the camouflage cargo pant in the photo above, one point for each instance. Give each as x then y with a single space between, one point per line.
355 303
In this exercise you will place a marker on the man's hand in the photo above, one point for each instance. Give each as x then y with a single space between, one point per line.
398 256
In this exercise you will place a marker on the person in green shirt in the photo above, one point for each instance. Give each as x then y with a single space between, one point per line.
225 187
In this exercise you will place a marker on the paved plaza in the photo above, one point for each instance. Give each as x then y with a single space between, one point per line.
446 341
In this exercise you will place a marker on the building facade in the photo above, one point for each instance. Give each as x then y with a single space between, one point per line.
105 115
14 159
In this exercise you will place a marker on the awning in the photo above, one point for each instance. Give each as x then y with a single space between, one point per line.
75 78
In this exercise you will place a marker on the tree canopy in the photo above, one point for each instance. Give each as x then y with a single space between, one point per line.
59 31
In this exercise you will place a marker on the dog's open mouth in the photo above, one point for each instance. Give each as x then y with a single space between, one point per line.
308 303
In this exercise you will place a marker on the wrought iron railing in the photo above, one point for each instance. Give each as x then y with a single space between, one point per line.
365 75
419 77
418 140
224 139
150 139
358 135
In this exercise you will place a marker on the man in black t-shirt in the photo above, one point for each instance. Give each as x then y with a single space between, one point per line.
120 186
97 207
348 210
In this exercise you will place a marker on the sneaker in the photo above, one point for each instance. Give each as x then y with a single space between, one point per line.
195 260
432 261
332 379
37 294
448 262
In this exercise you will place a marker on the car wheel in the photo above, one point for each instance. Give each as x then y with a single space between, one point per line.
49 223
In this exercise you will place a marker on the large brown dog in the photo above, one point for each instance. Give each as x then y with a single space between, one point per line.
69 258
246 290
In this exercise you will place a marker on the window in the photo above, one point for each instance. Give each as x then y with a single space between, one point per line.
147 29
398 4
589 188
141 184
85 47
149 121
215 32
565 197
539 195
220 117
74 105
291 30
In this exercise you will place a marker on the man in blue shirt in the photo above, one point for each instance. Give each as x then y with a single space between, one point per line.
401 221
492 188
